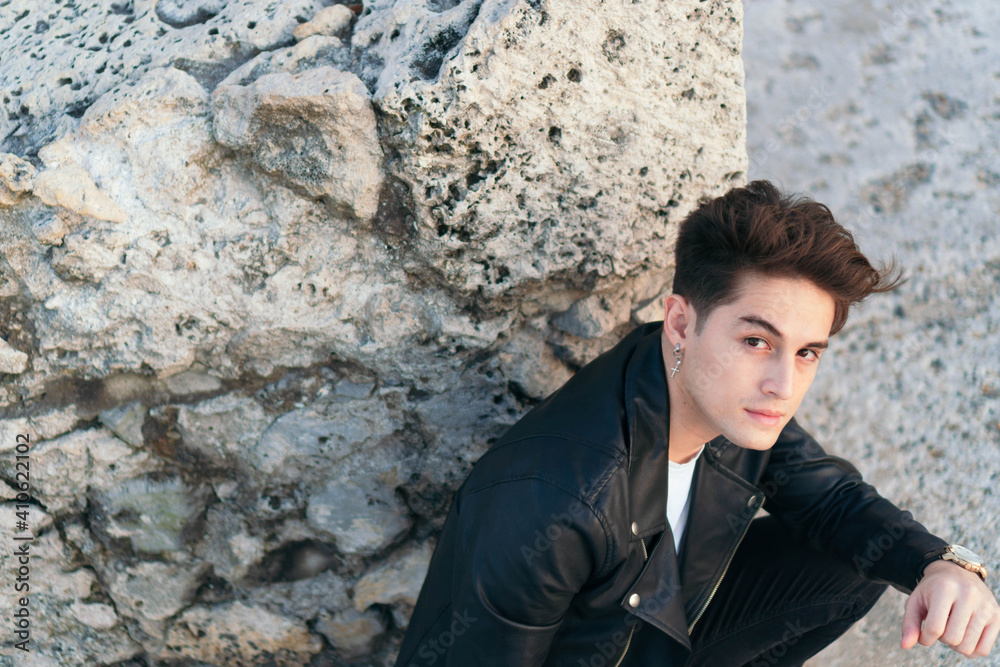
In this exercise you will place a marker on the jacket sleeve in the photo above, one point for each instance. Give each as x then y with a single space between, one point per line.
528 547
825 501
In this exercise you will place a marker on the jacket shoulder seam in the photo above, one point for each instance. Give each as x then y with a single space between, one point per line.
599 485
604 449
529 475
598 488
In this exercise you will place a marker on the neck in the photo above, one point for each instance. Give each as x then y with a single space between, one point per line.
687 433
684 445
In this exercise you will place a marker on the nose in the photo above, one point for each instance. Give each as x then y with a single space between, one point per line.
780 378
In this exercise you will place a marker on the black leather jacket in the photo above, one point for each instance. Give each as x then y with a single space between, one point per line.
557 543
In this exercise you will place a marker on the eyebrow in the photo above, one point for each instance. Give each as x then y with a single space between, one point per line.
756 321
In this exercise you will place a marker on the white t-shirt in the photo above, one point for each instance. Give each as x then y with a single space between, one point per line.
679 495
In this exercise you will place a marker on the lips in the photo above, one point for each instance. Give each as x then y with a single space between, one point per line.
765 417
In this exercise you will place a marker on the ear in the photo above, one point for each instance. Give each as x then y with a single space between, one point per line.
678 320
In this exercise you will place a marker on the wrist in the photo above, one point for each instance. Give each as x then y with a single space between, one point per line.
940 565
954 554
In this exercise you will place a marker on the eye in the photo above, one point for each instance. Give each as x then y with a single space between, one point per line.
810 355
756 343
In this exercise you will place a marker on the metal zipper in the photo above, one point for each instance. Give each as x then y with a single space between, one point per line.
628 642
719 582
626 645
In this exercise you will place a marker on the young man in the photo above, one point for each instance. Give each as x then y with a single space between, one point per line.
614 524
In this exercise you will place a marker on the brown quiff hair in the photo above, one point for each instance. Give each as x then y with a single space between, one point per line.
757 229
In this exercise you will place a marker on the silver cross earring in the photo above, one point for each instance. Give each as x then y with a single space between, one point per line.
678 355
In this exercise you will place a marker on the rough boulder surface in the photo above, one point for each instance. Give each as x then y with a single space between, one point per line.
275 274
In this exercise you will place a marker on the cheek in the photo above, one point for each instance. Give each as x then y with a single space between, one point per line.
718 370
801 389
728 393
805 380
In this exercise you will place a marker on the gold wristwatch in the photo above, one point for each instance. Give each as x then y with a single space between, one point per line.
959 555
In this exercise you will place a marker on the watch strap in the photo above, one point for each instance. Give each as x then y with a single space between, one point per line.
929 558
939 553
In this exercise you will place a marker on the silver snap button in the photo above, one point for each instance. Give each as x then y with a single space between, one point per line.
634 600
752 500
635 528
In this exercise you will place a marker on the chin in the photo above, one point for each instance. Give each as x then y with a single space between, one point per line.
759 441
759 445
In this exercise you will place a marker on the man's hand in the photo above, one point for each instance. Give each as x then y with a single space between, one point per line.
956 608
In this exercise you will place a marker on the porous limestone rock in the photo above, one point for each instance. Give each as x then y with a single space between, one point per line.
228 545
86 257
396 582
593 316
504 200
12 360
151 515
66 466
649 311
17 177
307 439
152 592
351 632
181 13
226 426
237 633
314 131
52 423
29 431
327 21
304 599
317 50
36 521
361 512
540 378
68 628
60 58
126 422
97 615
69 186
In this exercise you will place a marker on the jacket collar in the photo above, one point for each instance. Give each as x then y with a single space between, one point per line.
647 410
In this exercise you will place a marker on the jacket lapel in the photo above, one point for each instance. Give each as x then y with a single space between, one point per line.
722 506
660 600
647 411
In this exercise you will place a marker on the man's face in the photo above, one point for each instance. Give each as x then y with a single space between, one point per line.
745 374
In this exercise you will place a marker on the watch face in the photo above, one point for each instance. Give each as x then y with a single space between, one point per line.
966 554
